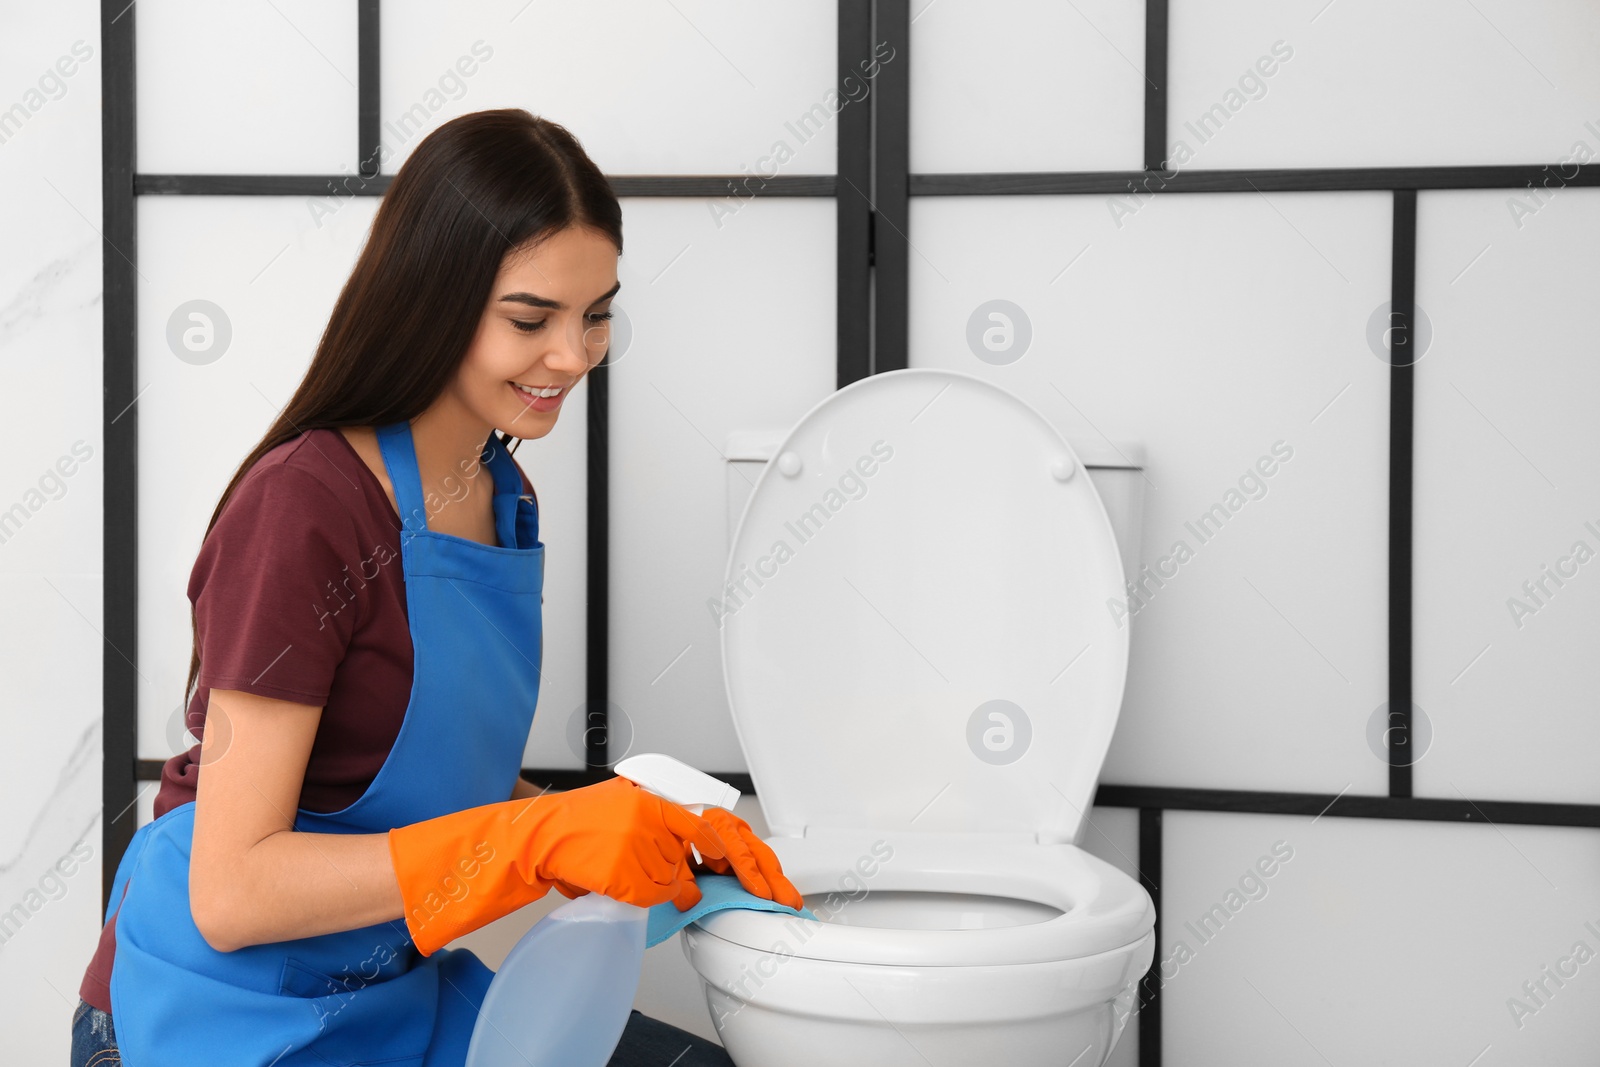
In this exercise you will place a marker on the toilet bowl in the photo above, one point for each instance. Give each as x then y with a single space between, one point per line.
924 675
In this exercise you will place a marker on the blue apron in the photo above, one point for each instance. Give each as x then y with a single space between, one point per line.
363 996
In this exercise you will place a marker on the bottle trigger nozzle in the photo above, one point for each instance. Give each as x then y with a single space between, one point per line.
678 782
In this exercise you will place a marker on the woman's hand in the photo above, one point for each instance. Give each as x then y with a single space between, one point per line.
748 857
459 871
526 790
758 869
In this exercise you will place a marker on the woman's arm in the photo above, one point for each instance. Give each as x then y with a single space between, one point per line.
253 878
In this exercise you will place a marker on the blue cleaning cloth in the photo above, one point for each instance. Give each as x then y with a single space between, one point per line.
717 891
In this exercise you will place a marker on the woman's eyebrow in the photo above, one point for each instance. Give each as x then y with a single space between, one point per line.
555 305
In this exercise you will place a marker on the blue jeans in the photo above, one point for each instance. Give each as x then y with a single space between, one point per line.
94 1043
646 1042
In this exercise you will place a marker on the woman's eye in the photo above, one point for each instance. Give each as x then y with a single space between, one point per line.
532 327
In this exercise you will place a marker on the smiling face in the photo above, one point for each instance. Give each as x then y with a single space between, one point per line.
544 327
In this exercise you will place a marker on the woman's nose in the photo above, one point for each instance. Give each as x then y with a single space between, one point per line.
582 347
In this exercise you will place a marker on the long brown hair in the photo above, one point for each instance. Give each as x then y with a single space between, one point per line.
475 189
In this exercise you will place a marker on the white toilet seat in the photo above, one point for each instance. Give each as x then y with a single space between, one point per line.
915 633
1100 907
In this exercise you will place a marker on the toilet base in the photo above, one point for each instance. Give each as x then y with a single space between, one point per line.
1079 1039
1084 1039
809 1012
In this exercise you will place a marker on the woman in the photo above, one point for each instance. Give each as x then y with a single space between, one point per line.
360 804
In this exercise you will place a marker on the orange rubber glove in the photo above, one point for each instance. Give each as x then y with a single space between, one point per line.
461 871
749 857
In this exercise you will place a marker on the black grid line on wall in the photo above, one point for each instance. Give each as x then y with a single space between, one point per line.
872 189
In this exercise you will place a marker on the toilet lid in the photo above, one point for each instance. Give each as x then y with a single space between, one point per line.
916 623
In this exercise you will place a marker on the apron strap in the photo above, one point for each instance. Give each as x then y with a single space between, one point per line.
400 459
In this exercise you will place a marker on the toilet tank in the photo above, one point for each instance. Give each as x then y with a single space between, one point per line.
1116 468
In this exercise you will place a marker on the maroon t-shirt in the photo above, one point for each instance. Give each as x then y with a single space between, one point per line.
299 595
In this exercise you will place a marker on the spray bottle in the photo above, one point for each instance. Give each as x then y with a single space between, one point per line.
564 992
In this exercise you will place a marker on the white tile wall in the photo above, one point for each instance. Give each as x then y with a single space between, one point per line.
1508 494
1210 327
246 88
691 87
1067 93
51 457
1375 942
1363 83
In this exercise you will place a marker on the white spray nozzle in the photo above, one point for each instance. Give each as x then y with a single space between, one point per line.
678 782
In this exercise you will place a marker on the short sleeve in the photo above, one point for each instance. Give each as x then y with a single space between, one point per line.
276 588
